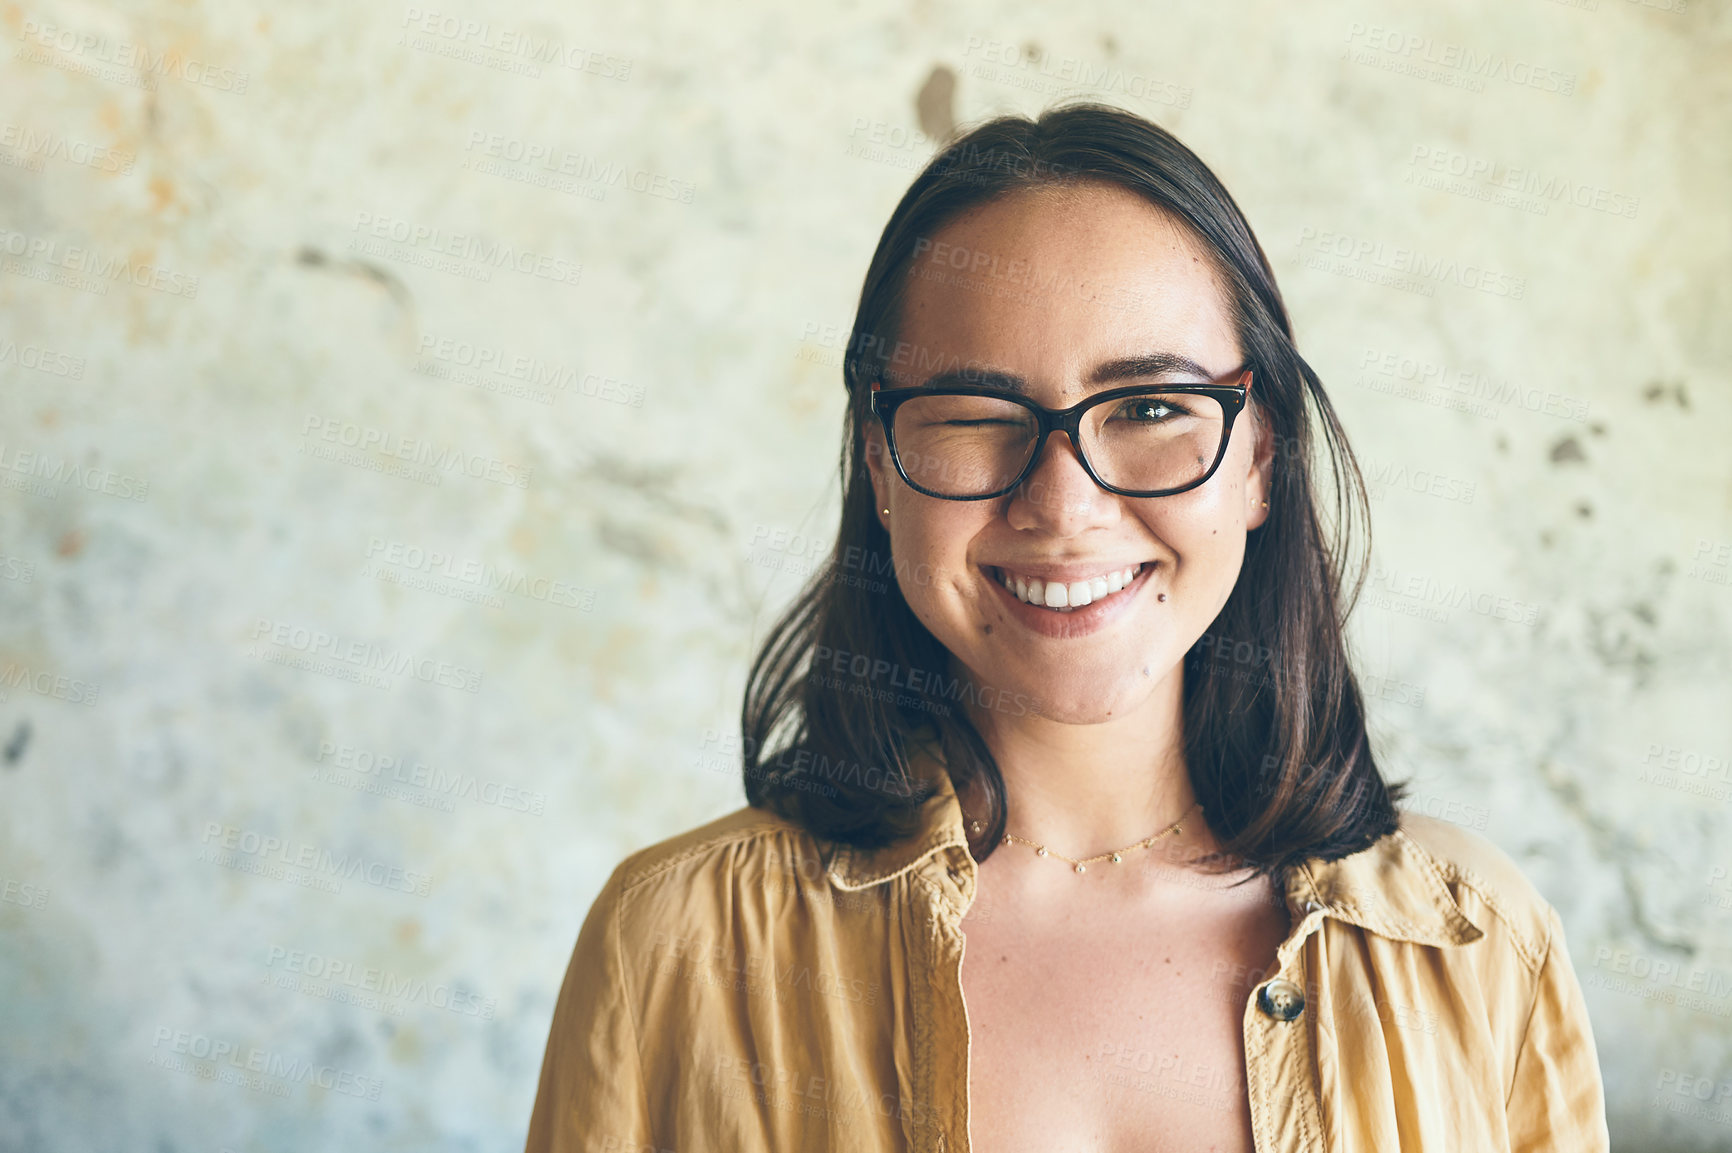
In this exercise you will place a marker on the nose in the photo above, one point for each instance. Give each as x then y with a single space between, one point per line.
1058 494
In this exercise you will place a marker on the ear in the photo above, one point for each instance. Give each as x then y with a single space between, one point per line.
1259 476
878 466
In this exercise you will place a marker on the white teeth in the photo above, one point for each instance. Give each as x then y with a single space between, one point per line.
1065 597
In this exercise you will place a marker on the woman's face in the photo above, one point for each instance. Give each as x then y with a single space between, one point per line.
1086 276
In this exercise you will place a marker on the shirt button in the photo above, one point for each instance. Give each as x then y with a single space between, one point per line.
1281 999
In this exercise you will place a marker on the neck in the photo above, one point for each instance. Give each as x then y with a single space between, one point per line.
1082 789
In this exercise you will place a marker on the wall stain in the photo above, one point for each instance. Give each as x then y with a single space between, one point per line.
1617 848
14 750
935 103
311 257
1659 392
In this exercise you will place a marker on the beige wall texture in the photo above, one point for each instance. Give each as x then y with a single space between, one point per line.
413 417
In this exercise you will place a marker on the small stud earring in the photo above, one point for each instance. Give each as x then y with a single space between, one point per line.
1265 505
886 512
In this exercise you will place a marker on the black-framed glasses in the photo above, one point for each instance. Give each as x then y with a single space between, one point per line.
966 442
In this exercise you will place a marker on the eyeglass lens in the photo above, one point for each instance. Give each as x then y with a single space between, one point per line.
973 445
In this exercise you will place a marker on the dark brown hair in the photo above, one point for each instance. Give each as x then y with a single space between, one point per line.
1274 727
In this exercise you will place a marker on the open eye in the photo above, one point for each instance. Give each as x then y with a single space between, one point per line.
1151 410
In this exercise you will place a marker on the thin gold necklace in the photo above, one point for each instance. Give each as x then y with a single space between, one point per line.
1115 856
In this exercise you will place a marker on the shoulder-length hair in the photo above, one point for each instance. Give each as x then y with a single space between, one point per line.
1274 729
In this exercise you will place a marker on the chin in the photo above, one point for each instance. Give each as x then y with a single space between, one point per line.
1079 703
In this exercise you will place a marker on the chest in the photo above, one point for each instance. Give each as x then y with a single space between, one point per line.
1104 1033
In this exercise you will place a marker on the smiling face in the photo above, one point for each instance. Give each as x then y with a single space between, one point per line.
1118 281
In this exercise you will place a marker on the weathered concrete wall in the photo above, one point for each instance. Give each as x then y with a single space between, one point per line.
252 271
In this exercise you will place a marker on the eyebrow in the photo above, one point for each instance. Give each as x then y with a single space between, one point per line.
1125 368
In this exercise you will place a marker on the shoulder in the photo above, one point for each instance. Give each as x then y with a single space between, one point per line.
1528 995
746 837
1486 883
701 880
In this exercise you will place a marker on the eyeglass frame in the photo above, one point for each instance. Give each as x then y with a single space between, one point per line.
885 401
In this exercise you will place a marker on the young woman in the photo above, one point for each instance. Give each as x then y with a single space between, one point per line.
1064 831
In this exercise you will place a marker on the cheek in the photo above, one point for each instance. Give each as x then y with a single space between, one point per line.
1206 517
931 555
1206 535
1203 522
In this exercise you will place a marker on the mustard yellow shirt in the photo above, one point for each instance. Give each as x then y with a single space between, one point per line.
733 988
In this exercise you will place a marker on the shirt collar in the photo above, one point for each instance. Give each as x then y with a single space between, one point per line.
939 828
1394 888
